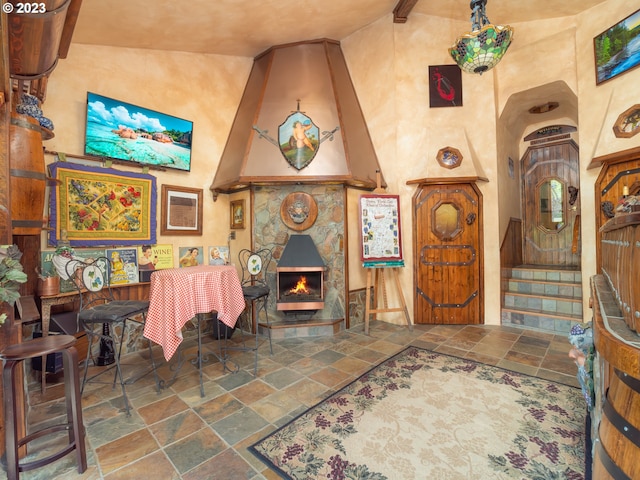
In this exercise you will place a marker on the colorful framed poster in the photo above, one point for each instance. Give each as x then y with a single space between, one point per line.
123 265
95 206
617 49
380 235
219 255
190 256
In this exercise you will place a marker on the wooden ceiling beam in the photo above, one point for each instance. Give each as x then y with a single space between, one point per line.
69 25
402 10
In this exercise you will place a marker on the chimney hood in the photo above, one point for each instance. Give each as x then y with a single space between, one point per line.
307 81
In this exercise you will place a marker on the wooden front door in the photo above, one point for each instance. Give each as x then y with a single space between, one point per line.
448 254
551 212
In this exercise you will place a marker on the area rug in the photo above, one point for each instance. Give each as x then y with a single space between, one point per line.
426 415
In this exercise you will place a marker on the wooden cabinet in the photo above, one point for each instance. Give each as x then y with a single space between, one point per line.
616 316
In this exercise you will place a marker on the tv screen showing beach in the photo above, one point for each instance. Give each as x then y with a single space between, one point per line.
122 131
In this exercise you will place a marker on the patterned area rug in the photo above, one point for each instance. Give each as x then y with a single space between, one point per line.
424 415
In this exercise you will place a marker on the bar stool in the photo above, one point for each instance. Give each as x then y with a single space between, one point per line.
11 356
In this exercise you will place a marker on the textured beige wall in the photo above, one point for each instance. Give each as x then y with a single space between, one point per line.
389 67
203 88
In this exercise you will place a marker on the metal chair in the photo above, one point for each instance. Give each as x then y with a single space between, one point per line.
101 315
255 288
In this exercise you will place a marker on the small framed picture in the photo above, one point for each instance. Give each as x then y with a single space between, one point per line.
237 214
181 212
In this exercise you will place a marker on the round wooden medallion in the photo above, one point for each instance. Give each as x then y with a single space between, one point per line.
299 211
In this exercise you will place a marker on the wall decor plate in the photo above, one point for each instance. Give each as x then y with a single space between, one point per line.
299 211
254 264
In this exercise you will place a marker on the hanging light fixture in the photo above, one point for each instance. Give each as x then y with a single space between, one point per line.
481 49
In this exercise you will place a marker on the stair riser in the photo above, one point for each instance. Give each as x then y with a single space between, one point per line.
538 322
544 305
551 289
547 275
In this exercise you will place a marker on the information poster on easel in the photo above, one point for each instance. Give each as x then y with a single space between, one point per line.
380 234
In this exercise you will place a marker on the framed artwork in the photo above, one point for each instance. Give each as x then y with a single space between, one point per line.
380 236
617 49
628 123
449 157
237 214
96 206
181 212
445 86
190 256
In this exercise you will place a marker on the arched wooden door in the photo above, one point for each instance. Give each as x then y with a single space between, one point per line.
551 180
448 254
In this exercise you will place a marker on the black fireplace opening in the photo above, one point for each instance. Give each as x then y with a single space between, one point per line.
300 286
300 277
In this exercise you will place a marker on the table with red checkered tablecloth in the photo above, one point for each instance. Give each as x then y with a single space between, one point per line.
178 294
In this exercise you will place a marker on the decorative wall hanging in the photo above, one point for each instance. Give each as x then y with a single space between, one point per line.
628 123
237 214
617 50
101 206
298 138
445 86
449 157
181 212
298 211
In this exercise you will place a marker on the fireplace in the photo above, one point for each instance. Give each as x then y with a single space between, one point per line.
300 277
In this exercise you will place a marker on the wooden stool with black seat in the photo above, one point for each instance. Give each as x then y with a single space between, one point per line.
11 356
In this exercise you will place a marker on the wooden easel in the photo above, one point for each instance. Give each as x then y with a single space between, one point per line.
376 284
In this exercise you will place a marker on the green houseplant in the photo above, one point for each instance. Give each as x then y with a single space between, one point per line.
11 276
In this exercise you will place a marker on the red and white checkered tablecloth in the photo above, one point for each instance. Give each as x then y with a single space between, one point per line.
178 294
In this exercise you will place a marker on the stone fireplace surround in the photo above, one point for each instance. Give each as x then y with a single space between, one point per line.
327 232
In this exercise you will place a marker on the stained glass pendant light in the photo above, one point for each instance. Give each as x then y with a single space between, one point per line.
481 49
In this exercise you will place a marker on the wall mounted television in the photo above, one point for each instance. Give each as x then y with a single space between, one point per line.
130 134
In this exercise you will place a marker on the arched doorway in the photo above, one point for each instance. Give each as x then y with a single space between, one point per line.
551 210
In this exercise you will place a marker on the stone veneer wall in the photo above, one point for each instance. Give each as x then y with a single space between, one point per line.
327 233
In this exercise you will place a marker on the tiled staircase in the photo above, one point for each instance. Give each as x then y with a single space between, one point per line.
544 299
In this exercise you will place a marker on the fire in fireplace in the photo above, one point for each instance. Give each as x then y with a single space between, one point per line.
300 276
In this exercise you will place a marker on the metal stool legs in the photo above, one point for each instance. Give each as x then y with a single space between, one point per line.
11 357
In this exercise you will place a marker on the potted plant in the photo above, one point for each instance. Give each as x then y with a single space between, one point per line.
11 276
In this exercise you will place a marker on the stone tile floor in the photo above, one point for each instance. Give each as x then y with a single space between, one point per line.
177 434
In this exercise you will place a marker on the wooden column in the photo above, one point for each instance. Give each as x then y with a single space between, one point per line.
9 332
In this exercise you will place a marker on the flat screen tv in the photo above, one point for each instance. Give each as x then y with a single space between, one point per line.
128 133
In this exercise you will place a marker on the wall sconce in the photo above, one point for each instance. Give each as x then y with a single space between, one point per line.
481 49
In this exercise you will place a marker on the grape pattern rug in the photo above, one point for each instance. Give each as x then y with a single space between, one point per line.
426 415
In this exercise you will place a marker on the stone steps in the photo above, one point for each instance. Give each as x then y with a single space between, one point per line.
545 299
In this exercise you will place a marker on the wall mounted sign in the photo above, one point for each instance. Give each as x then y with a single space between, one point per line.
298 211
445 86
550 131
380 236
101 206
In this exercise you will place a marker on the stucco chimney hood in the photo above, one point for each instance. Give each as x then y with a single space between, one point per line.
307 82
